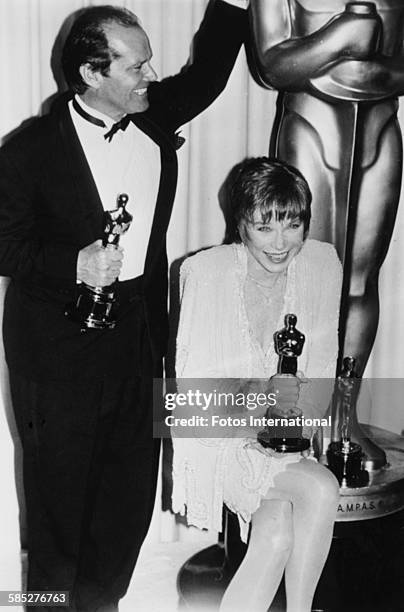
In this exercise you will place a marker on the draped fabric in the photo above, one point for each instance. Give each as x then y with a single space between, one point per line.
236 125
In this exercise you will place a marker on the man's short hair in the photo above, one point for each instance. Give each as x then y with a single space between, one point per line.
87 42
270 186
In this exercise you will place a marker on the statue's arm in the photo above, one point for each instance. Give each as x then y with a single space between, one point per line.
286 62
387 73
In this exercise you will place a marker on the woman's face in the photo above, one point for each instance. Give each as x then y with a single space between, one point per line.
274 244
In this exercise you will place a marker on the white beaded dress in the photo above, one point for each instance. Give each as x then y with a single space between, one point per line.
215 341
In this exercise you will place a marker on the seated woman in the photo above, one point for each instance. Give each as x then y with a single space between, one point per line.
234 297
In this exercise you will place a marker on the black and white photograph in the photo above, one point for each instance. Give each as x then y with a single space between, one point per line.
201 294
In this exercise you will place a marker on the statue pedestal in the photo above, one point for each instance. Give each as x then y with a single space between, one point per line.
364 570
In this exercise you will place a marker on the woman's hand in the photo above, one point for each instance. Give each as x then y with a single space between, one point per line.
285 388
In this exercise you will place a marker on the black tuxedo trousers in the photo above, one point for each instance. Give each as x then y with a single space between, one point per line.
89 471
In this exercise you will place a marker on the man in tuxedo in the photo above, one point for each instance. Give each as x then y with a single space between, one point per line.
83 401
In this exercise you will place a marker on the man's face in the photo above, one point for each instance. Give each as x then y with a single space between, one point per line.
124 89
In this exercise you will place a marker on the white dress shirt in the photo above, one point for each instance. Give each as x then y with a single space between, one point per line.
129 164
240 3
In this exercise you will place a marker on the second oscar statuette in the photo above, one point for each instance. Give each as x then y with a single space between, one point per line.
95 307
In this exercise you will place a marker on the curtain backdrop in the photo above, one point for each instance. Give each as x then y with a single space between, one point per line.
238 124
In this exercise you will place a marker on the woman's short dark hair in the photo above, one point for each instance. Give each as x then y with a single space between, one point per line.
270 186
87 42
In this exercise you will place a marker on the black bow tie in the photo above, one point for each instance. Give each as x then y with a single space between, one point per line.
119 125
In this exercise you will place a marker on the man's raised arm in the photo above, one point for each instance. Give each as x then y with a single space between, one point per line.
177 99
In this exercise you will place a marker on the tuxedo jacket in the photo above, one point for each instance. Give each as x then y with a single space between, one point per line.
50 209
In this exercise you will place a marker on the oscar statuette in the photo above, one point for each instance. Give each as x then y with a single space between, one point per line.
289 344
95 307
345 458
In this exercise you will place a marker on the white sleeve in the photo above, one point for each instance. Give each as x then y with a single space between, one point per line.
188 298
199 353
196 347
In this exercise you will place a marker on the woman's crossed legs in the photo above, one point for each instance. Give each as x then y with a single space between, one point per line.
291 532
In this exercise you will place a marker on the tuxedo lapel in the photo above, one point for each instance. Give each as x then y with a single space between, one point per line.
81 182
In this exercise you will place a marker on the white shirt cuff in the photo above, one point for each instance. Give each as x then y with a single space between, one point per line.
239 3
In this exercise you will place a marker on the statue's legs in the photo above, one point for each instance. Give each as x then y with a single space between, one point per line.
351 156
318 138
376 196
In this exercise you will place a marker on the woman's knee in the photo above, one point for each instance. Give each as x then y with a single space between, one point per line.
313 484
327 487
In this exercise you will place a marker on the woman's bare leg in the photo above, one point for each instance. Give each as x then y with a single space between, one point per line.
314 494
291 531
256 581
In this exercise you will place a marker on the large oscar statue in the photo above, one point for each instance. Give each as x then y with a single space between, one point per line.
95 307
339 69
289 343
